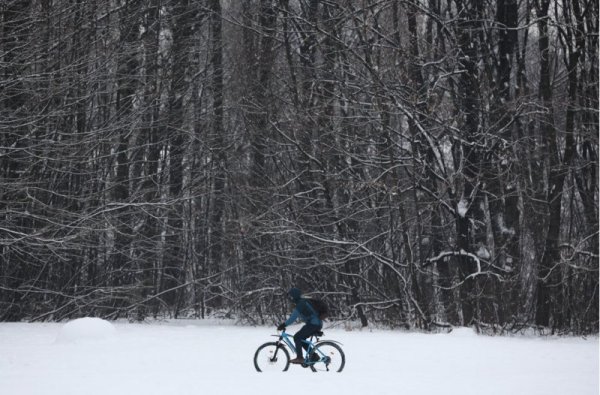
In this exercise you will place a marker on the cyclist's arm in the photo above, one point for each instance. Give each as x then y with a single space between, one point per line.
292 318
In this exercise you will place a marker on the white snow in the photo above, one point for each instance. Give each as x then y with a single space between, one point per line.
207 357
502 225
86 329
483 253
462 207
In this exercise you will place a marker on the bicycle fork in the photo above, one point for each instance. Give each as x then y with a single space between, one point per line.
277 346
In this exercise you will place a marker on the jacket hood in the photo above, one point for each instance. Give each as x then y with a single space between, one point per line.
294 294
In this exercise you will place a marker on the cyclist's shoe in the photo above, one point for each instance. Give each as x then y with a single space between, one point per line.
297 360
314 357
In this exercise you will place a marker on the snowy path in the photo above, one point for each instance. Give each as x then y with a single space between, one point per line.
193 357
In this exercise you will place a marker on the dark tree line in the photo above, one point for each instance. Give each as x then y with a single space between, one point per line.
418 163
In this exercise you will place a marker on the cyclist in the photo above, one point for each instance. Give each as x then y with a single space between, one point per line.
304 311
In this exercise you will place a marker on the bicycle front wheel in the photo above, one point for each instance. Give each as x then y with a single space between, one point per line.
272 357
331 357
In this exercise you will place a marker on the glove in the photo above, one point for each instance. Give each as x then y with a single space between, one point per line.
281 327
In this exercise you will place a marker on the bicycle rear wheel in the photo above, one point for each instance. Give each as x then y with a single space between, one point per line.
272 357
331 357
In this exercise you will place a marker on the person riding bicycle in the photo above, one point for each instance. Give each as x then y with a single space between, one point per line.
304 311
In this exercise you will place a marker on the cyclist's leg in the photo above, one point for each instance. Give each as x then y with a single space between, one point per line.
304 333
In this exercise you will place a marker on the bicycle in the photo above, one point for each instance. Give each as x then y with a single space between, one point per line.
320 356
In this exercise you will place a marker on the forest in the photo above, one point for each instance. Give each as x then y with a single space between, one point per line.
418 164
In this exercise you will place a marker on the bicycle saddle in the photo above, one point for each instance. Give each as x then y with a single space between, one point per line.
319 334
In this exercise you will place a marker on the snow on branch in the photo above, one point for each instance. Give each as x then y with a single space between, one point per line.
461 252
444 254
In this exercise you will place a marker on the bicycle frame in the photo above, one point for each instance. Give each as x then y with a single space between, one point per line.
289 341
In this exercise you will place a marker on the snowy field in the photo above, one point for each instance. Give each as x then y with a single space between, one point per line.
93 357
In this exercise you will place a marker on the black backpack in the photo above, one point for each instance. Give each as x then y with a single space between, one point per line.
320 307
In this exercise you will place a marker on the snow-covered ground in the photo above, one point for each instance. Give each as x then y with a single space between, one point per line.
93 357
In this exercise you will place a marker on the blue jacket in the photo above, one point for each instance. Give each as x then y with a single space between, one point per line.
303 311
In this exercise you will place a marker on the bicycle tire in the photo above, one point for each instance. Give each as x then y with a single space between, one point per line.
333 351
263 357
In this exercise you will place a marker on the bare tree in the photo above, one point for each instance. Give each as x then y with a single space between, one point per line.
418 163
